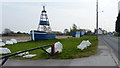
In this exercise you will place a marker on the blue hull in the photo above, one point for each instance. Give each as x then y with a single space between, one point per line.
40 35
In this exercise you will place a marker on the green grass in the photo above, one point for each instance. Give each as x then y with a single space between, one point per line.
17 35
117 35
70 50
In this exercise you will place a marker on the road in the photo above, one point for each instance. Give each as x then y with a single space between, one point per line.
114 43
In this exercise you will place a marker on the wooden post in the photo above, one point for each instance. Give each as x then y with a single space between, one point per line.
53 49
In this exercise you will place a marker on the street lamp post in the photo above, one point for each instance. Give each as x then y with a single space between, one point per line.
97 20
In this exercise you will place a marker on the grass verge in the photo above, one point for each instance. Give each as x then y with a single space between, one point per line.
70 50
117 35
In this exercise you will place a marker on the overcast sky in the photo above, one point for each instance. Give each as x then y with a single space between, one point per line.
24 15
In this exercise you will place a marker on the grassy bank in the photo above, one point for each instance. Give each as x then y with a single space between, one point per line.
16 35
69 48
117 35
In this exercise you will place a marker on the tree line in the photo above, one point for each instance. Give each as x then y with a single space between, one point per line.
118 24
8 32
75 28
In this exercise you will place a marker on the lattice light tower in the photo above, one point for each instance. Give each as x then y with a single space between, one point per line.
44 24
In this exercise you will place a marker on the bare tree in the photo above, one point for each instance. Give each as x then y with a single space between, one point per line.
66 31
74 27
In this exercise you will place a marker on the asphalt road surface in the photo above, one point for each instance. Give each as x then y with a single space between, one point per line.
114 43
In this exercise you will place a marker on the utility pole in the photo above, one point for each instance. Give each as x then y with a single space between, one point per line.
97 20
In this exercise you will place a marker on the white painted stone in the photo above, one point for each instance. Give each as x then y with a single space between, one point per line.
29 56
84 44
48 50
88 43
21 54
58 48
4 51
2 44
9 42
26 52
14 40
